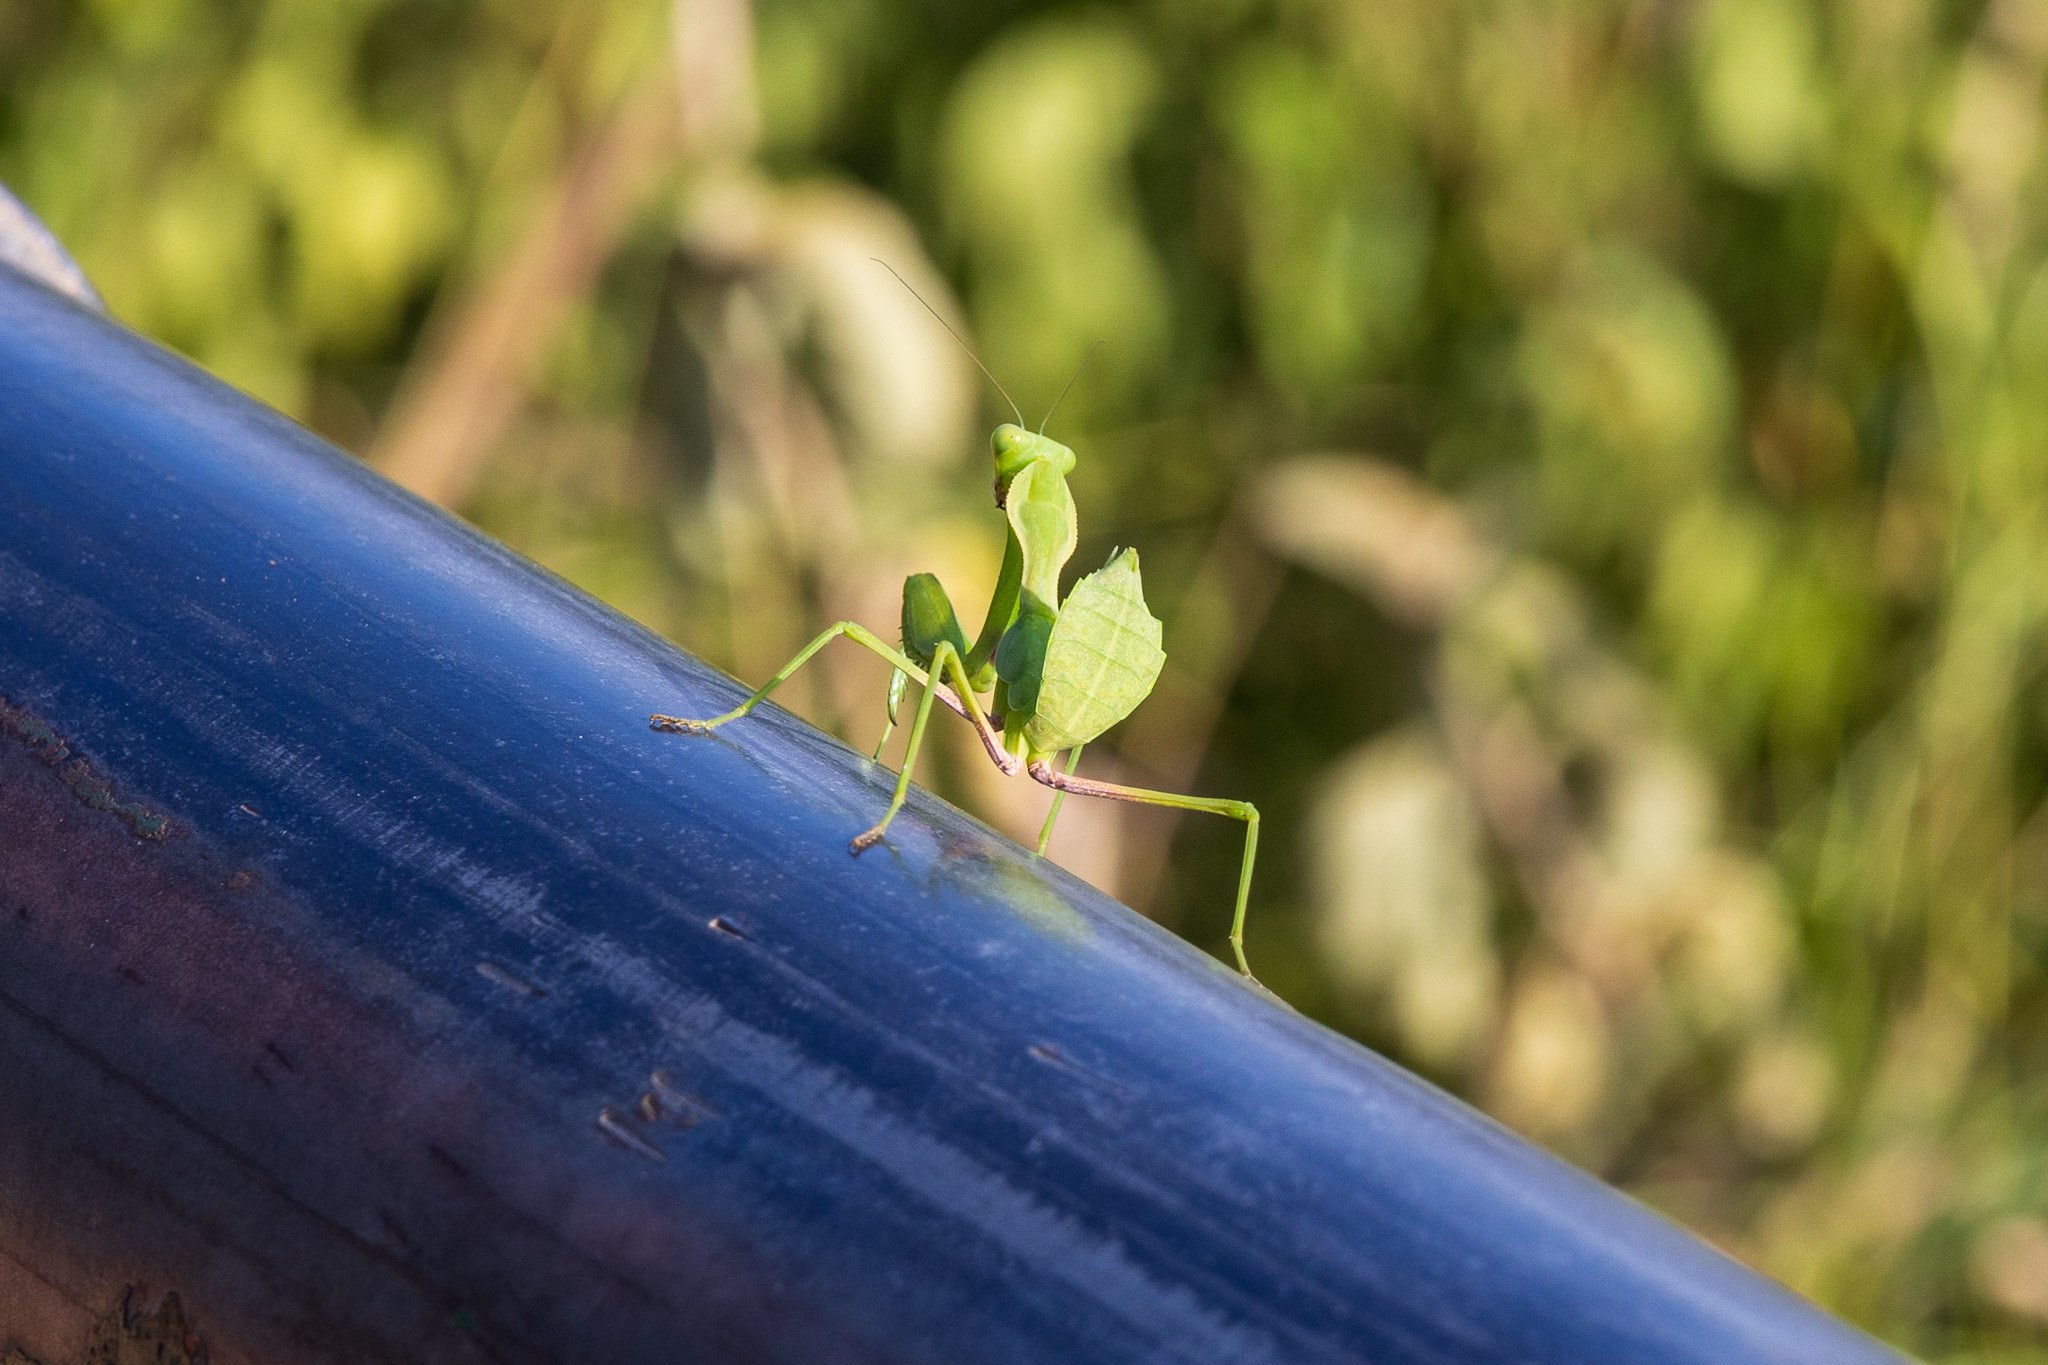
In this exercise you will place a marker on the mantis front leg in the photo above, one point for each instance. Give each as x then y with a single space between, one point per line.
898 679
1042 770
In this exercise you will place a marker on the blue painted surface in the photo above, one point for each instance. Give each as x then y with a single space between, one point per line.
941 1103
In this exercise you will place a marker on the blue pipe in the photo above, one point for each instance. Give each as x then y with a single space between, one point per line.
374 980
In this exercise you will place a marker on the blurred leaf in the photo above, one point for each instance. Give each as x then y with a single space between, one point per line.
1037 142
1406 910
1753 64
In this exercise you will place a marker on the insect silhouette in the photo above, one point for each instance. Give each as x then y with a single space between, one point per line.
1059 672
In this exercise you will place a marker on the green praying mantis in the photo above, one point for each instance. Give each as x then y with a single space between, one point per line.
1059 672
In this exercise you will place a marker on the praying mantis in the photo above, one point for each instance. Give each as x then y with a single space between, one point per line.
1059 671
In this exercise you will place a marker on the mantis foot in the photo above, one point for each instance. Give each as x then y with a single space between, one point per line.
677 725
865 840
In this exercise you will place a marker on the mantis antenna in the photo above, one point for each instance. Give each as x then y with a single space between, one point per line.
957 337
1086 356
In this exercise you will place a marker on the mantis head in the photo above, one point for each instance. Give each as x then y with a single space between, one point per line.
1015 448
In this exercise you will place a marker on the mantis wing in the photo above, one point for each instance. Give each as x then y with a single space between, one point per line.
1101 660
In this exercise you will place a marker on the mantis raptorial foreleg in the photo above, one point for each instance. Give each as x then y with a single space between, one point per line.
1043 771
897 681
1058 796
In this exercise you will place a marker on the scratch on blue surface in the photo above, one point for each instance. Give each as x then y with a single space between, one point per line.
1050 1241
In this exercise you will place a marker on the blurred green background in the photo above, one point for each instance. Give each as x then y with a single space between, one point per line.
1591 459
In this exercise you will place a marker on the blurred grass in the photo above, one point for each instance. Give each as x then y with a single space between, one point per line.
1592 461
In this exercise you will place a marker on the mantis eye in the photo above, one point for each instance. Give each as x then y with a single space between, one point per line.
1013 448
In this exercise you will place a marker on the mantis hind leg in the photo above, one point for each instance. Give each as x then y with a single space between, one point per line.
1059 797
1043 771
958 696
682 726
946 667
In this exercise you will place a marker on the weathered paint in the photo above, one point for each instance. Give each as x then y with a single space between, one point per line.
77 773
127 1335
